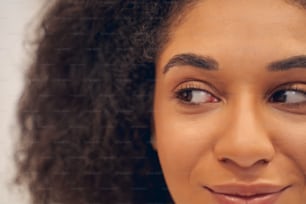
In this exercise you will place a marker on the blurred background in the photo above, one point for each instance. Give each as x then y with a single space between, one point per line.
15 18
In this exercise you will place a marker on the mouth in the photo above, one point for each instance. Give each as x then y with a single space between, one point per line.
246 194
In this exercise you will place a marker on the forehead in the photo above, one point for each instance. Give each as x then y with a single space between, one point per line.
212 24
249 14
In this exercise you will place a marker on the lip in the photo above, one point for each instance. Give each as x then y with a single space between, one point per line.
246 194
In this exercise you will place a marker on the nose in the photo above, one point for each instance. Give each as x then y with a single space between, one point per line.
244 142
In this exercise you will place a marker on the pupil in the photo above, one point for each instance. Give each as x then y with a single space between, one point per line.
186 95
279 97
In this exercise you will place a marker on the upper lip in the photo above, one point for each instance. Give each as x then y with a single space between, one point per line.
246 190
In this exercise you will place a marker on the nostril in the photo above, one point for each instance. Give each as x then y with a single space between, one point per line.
259 162
263 161
224 160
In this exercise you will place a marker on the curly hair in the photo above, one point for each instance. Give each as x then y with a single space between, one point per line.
85 112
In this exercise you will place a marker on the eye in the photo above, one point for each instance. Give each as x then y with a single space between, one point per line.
195 96
289 97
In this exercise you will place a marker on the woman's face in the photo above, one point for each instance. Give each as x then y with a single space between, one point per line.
230 104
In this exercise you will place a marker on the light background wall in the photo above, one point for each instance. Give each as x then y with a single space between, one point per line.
14 18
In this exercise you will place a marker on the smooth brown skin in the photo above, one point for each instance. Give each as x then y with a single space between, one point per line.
238 135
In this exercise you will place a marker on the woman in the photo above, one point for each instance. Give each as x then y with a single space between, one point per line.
214 91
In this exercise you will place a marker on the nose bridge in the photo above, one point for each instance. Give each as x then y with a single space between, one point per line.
246 117
244 140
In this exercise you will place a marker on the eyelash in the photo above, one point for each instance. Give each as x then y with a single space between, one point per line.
194 86
289 88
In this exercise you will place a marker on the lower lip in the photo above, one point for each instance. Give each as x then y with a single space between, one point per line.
267 199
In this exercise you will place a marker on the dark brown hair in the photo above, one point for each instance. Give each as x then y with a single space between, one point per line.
85 112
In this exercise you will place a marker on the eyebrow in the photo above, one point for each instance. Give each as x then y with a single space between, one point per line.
208 63
289 63
190 59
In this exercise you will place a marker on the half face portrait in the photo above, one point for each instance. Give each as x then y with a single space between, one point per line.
229 104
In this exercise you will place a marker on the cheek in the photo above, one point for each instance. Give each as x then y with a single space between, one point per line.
181 143
291 141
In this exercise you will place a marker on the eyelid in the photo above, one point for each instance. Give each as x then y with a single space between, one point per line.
295 86
197 84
